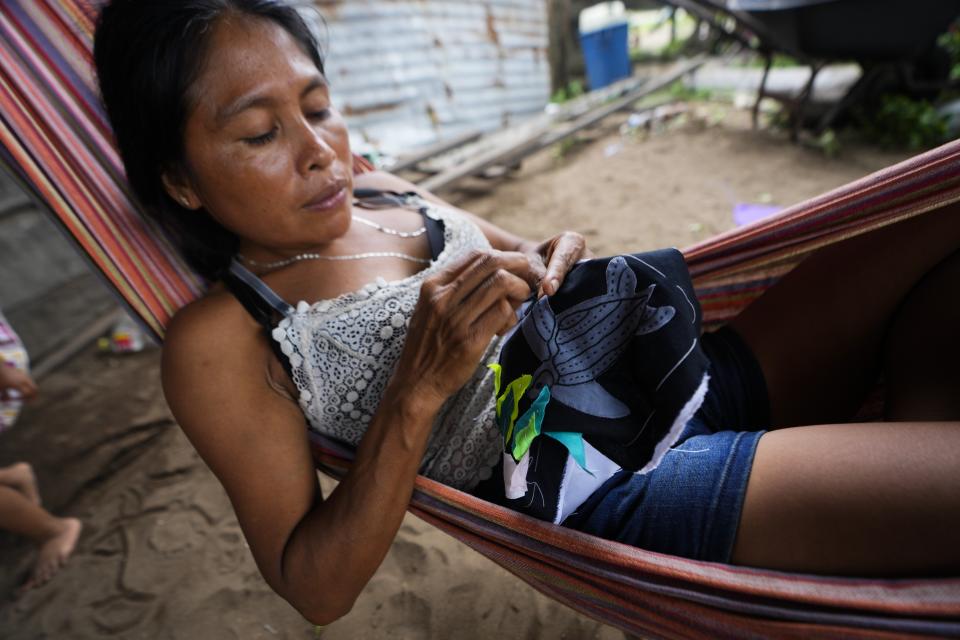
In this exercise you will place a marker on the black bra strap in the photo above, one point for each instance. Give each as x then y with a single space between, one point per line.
261 302
267 296
435 236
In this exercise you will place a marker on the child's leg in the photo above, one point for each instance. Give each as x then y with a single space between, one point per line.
55 537
20 476
856 499
818 334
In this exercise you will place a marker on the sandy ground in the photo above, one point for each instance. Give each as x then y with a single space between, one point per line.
162 555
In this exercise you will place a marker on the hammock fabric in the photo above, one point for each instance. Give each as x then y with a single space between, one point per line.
55 140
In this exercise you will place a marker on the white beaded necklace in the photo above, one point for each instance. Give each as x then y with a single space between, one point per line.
355 256
391 232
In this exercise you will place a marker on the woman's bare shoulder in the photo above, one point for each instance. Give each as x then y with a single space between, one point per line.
218 381
209 343
213 323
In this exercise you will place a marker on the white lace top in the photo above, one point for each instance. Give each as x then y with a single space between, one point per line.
343 352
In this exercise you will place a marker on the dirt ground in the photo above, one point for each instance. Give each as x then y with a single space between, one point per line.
162 556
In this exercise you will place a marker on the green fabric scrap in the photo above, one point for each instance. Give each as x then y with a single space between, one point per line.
508 403
497 373
505 419
530 423
517 388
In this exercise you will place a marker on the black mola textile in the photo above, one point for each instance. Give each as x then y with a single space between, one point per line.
618 348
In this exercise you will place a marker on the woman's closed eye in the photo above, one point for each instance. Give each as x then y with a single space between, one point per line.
262 139
318 116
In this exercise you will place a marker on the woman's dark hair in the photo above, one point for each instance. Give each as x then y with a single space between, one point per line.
148 53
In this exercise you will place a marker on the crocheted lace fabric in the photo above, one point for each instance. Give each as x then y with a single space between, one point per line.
343 353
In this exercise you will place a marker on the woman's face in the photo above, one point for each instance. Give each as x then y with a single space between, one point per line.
266 154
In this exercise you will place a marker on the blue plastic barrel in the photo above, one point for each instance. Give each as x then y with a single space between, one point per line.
606 54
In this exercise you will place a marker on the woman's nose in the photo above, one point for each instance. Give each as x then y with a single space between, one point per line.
315 152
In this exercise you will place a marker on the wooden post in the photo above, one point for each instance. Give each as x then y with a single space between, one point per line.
556 10
565 54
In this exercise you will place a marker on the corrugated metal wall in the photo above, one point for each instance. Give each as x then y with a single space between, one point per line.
408 73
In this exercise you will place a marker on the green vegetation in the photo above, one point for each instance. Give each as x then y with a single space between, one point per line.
654 39
780 61
904 122
566 146
828 143
671 51
950 42
680 91
573 90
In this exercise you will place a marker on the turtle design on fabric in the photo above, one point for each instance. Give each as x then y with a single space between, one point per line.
579 344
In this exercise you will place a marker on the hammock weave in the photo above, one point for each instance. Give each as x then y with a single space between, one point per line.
55 140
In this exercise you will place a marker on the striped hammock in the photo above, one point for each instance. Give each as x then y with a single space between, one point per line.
55 140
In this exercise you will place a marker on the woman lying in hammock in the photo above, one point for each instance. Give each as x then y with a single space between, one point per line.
223 118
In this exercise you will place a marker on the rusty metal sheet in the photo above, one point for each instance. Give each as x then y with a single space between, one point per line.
410 73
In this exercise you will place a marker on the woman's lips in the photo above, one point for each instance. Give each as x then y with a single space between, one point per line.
329 199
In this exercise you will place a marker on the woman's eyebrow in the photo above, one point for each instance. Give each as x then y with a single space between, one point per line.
262 100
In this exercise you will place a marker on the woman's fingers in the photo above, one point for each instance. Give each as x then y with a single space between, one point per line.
459 311
449 273
489 279
499 319
459 282
538 267
501 286
562 252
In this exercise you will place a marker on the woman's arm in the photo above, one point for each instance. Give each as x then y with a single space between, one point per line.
551 259
319 554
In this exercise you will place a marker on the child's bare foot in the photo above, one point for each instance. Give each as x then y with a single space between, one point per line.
54 553
20 476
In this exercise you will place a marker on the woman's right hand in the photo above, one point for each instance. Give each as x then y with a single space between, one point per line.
459 311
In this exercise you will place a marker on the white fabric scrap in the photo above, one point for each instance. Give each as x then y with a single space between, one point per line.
578 484
515 476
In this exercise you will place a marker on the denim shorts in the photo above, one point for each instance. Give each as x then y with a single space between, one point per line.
690 504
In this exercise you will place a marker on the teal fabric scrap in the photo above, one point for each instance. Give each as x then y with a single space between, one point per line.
573 441
531 420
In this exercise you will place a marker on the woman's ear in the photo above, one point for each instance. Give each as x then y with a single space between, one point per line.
178 187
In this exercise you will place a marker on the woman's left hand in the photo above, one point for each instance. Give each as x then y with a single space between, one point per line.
557 256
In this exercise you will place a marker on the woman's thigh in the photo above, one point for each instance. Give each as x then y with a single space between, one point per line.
858 499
